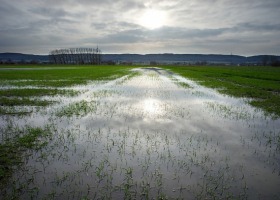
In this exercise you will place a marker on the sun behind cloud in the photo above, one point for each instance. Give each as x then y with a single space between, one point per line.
152 19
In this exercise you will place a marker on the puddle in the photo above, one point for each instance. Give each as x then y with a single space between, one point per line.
145 137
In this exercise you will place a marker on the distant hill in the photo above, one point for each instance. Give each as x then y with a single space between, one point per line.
191 58
18 57
175 58
159 58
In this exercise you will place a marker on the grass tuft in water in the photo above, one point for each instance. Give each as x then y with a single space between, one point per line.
81 108
12 150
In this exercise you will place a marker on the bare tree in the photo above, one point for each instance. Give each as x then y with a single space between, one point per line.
76 56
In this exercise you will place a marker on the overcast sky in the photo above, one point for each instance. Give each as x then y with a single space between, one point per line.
244 27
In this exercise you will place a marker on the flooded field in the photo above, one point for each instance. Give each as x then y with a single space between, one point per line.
151 134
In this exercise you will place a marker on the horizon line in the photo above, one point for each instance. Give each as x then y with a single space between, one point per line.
156 54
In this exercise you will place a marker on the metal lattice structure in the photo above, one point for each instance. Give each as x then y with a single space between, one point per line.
76 56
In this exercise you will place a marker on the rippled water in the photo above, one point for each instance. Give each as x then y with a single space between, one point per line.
147 136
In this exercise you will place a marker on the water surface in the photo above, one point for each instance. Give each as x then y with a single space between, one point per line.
154 135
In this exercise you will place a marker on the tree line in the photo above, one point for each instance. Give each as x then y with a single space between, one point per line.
76 56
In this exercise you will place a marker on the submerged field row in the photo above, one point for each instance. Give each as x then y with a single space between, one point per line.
153 134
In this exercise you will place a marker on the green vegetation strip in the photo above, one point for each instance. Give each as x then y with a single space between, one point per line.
49 76
68 75
12 150
260 84
10 110
81 108
4 101
36 92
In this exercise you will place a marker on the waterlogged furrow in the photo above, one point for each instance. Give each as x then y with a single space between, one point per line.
154 135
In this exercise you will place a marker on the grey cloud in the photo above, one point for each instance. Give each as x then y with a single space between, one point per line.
49 12
163 34
131 36
195 25
97 2
115 26
11 16
130 5
185 33
258 27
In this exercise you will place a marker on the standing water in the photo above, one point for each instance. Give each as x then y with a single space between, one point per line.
155 135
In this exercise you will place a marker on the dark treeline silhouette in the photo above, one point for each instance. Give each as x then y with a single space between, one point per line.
76 56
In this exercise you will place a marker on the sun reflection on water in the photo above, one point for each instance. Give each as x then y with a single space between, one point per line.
152 107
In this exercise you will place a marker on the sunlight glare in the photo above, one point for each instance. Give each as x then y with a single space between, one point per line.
152 107
152 19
